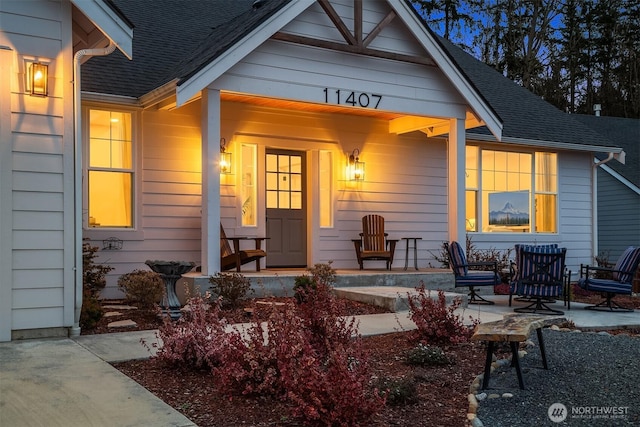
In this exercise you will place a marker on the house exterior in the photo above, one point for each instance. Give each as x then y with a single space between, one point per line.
300 93
618 185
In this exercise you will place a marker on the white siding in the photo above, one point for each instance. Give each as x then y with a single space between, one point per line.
40 145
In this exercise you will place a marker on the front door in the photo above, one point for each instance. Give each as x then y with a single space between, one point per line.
286 208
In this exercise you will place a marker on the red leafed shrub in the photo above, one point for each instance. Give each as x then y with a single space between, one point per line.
312 358
436 321
198 339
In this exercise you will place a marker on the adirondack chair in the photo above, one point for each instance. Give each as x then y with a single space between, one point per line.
373 243
472 274
620 282
236 257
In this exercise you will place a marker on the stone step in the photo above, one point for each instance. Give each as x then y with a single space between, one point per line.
392 298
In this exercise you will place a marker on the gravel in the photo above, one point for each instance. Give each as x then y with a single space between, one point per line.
596 376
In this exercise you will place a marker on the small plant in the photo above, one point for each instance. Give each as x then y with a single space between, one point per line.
93 282
436 321
398 391
427 355
307 283
143 288
475 255
231 287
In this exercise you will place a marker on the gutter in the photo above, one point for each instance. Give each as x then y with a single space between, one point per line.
77 178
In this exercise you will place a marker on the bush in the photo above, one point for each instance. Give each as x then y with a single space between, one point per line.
231 287
475 255
198 339
143 288
319 273
427 355
398 391
437 323
93 282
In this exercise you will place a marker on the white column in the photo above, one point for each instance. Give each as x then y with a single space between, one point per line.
6 187
456 176
210 181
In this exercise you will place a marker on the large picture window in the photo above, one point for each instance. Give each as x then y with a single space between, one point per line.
110 169
511 192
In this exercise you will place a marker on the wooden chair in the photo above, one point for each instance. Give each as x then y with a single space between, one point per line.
235 257
373 243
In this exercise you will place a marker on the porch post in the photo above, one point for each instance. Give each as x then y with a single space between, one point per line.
456 167
210 235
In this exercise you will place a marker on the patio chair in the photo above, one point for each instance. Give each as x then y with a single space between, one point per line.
373 243
620 282
541 276
466 276
236 257
514 270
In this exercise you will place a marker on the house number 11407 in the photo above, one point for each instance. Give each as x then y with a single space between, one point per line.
365 100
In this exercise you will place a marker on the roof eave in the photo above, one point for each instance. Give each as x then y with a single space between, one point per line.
112 25
547 144
476 102
230 57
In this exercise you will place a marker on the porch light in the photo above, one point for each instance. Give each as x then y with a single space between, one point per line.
225 158
355 168
38 79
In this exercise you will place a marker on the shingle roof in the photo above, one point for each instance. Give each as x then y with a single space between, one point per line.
167 34
626 134
174 39
524 114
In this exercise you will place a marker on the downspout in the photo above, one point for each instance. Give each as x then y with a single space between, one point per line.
77 178
594 206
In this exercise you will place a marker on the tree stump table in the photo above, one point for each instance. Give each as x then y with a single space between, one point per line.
513 329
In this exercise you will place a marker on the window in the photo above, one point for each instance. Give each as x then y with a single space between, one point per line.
249 190
110 169
325 188
514 192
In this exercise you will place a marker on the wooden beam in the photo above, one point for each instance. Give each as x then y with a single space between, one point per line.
337 21
357 21
412 123
360 50
374 33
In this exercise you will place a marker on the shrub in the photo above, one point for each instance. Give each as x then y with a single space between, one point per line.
231 287
427 355
438 323
311 358
398 391
475 255
319 273
93 282
142 287
198 339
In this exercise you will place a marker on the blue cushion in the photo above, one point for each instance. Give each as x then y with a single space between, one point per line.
627 265
458 260
604 285
478 278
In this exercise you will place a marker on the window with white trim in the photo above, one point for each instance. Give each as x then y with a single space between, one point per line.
110 169
511 192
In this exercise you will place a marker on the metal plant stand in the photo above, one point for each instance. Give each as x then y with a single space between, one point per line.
170 271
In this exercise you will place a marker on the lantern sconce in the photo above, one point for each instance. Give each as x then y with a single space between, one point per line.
355 168
225 158
38 79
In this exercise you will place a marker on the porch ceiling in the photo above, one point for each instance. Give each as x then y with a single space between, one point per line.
398 123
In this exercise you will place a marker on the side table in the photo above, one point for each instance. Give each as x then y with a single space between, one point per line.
415 251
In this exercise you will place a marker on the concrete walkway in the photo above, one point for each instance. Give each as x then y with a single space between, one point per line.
69 382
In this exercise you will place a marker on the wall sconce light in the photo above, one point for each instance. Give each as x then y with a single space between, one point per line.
39 79
225 158
355 168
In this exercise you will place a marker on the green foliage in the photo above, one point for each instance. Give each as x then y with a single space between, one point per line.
318 274
232 288
427 355
142 288
93 282
398 391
